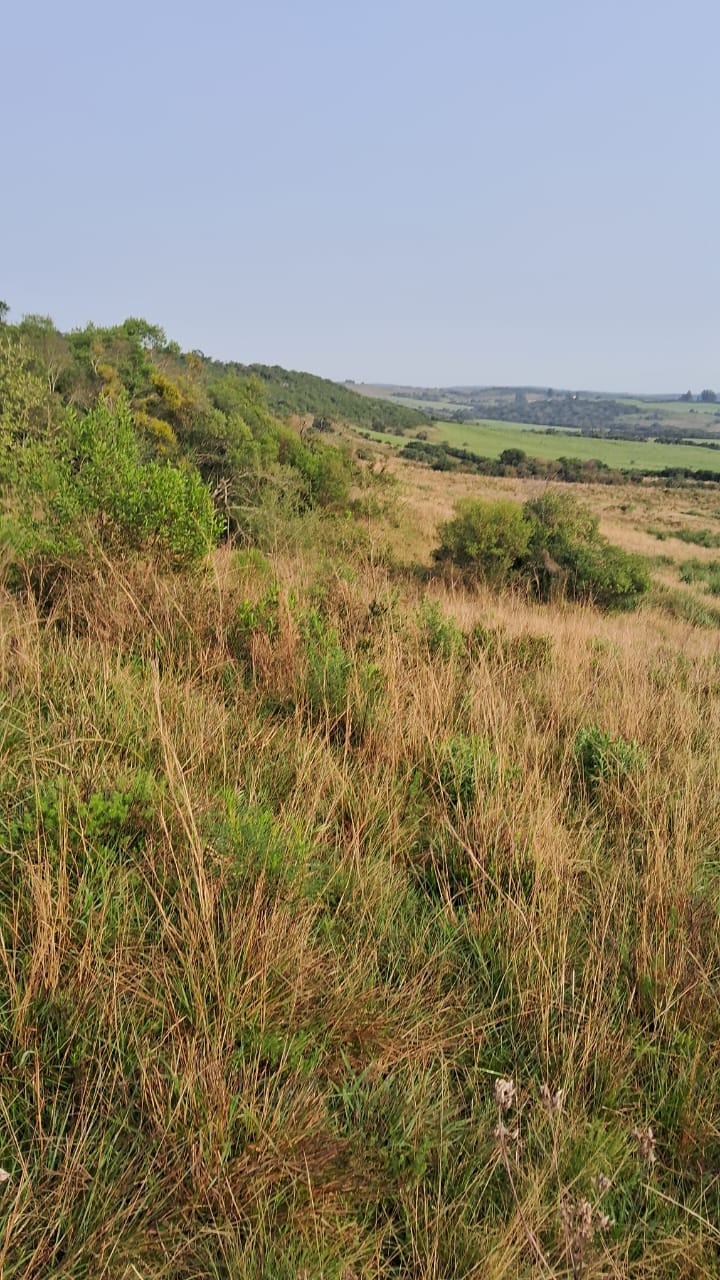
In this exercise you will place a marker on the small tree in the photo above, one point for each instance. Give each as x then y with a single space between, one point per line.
487 538
513 457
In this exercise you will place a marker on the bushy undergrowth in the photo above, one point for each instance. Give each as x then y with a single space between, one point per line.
86 486
551 545
346 932
706 572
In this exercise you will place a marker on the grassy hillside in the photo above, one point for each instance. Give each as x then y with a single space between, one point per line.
298 864
358 918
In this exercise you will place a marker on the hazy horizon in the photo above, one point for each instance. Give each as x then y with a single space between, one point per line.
483 195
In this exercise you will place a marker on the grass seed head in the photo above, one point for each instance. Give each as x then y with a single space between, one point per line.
645 1139
504 1094
552 1102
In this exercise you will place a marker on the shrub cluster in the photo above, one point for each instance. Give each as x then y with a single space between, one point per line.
86 485
552 544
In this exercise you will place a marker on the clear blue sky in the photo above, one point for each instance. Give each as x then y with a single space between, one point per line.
515 191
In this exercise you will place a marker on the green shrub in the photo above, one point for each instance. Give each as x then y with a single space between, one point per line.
341 692
567 552
252 619
706 572
463 767
252 843
607 575
552 544
88 486
527 651
441 634
489 641
486 538
599 758
532 652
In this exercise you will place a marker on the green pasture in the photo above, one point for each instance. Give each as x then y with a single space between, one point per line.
491 438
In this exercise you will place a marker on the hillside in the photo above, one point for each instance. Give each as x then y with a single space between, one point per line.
359 847
289 392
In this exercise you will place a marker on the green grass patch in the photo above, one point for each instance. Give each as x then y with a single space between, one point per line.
490 439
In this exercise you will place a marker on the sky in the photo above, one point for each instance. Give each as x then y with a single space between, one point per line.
507 192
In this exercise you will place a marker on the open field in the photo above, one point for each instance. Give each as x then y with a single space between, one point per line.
627 513
489 439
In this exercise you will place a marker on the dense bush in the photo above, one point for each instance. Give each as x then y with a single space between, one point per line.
552 544
487 538
88 485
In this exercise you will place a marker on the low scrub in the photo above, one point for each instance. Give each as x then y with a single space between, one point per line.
551 545
599 758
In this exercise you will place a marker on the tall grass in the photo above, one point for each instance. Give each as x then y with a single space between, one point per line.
297 863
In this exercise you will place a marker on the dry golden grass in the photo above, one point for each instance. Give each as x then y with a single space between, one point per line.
426 498
287 888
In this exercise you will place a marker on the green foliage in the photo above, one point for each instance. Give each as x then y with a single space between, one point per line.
487 538
88 486
183 409
442 635
526 652
551 544
26 407
289 392
682 604
463 767
700 537
600 758
341 693
608 576
255 844
706 572
254 619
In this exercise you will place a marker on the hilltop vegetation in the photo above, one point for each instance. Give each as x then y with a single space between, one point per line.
289 392
358 913
251 428
95 422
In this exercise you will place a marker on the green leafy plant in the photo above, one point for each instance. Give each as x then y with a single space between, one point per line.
88 487
486 538
341 693
599 758
442 635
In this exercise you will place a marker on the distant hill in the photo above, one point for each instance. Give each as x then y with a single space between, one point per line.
593 413
288 392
